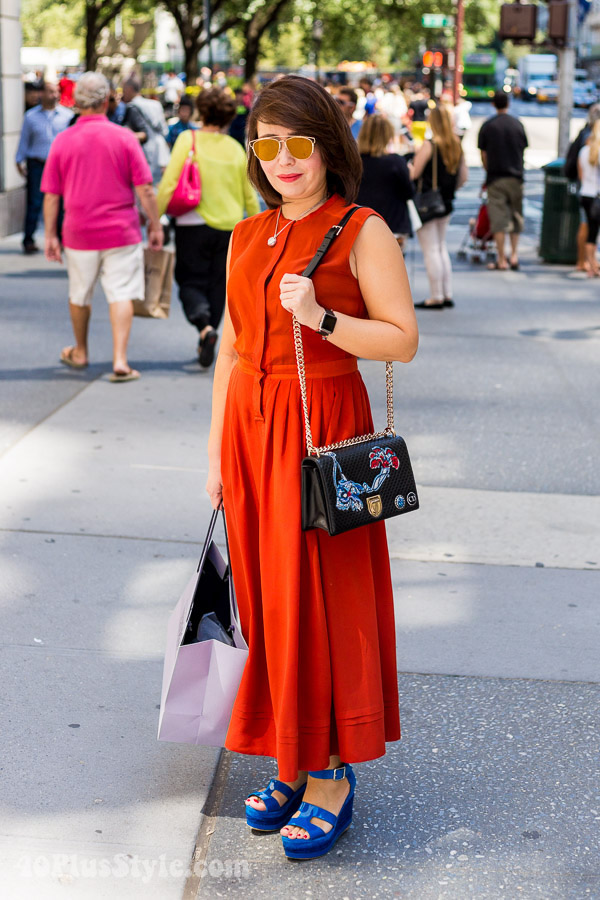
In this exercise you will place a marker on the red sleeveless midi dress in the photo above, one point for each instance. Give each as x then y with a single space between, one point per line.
317 611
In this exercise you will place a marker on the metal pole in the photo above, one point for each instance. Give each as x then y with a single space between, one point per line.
458 66
567 78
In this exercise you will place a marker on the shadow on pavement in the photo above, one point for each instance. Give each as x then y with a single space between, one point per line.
38 273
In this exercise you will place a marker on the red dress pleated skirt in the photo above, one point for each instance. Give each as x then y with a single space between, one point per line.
317 611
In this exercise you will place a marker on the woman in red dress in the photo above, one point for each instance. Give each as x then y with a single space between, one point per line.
319 690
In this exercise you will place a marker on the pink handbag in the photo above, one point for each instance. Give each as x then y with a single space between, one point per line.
188 192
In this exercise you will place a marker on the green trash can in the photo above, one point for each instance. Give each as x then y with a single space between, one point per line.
560 216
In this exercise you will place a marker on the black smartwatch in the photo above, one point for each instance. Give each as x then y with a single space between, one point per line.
327 324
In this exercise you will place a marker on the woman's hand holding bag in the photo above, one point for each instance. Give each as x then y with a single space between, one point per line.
297 295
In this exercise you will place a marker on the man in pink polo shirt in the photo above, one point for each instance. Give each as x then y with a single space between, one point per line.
98 168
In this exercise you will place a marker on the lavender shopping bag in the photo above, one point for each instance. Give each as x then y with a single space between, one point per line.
205 656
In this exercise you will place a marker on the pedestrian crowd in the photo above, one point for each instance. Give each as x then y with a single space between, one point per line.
412 165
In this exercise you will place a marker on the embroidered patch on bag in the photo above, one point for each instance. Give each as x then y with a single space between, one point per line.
348 492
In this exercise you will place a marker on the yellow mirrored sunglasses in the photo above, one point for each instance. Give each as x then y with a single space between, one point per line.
267 149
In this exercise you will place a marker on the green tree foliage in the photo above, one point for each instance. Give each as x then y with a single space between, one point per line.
259 17
386 32
191 22
53 25
77 24
100 14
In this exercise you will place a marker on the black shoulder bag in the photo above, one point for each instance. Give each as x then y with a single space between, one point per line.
358 480
430 204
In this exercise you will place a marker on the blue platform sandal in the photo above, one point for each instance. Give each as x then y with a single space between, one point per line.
274 816
319 843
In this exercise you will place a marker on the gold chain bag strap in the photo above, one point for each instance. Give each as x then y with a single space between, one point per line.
335 493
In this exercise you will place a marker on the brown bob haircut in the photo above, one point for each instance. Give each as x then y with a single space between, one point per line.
306 108
375 134
215 107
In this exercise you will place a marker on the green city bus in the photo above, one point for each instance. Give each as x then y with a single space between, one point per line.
480 78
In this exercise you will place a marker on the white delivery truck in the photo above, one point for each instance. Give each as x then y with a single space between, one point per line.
536 69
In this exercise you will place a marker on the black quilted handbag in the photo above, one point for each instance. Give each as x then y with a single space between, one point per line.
358 480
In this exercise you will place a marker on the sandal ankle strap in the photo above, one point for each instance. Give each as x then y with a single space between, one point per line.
335 774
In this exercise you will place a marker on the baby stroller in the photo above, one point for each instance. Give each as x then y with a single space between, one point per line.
478 243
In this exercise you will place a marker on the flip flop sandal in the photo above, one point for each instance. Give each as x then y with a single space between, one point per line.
117 377
66 358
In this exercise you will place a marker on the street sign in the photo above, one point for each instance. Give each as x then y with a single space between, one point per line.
434 20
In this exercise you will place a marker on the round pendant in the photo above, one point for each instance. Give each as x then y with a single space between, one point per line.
272 241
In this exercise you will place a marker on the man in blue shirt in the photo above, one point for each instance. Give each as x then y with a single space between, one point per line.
40 127
183 123
116 108
348 100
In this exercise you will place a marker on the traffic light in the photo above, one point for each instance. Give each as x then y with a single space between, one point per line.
517 22
433 59
558 21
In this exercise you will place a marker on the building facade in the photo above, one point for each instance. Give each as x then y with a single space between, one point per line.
589 41
12 192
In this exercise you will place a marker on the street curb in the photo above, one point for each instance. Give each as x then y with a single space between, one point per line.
209 813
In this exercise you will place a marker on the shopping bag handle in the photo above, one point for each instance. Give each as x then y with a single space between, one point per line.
209 536
235 617
208 539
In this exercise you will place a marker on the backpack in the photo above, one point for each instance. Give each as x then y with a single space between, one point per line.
570 166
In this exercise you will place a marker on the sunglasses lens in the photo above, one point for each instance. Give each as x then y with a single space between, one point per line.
266 149
299 147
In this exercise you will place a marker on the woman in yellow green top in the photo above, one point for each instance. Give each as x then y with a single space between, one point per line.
202 235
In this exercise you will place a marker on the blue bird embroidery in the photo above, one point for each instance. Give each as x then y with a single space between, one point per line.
348 492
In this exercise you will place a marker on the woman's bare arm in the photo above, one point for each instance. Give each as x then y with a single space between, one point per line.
390 332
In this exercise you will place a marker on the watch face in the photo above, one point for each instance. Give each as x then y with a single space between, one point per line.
328 323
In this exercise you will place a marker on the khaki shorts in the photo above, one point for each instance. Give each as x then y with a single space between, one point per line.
505 205
121 272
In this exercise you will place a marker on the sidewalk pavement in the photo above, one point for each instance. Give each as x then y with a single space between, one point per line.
493 791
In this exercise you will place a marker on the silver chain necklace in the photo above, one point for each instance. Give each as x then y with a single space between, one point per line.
273 239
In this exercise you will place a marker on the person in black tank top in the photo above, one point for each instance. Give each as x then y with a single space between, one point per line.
439 164
385 185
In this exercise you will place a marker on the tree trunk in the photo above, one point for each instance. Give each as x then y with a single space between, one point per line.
91 38
251 53
254 31
192 69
